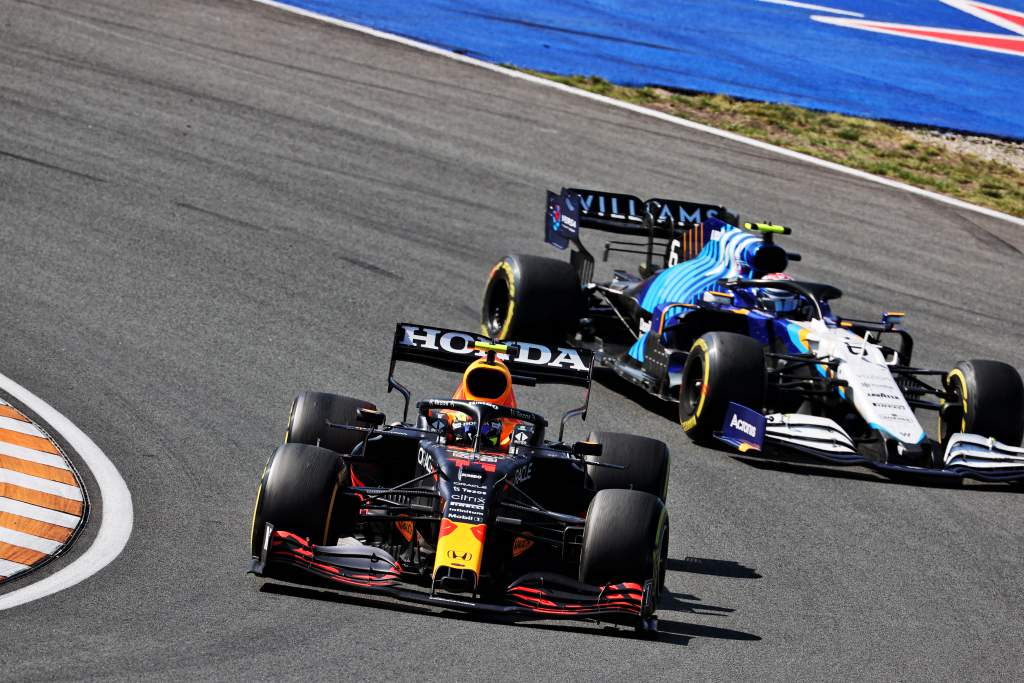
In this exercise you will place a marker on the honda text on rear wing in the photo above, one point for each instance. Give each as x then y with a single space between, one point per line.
529 363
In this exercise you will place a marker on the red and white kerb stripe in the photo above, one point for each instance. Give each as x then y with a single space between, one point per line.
42 503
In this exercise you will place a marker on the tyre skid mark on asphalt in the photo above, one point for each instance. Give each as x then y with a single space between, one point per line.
42 500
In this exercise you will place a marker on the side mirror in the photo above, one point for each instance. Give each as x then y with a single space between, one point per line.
374 418
585 448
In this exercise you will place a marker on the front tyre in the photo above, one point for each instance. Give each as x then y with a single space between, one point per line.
722 368
298 493
646 464
312 410
531 297
625 539
987 399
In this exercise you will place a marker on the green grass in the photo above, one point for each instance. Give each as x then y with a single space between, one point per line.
873 146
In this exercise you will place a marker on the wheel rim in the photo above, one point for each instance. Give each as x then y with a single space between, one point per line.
948 427
497 309
693 385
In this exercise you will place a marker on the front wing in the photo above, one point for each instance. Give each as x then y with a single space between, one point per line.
361 568
966 455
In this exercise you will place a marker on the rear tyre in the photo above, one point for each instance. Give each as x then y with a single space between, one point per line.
297 493
990 395
625 539
310 413
646 461
722 368
531 297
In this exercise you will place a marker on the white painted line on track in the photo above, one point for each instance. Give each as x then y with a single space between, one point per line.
1000 16
117 518
40 514
23 540
32 455
21 427
685 123
39 484
816 8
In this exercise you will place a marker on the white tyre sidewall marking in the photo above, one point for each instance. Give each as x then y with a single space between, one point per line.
117 518
676 120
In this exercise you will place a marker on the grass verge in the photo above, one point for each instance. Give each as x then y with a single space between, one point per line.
896 152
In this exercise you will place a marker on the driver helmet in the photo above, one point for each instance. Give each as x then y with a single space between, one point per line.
488 381
780 301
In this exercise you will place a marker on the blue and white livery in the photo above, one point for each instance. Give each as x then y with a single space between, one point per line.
713 321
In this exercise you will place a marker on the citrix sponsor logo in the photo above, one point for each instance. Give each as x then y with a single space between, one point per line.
462 343
743 426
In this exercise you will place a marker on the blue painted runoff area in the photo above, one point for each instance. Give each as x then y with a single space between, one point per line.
769 50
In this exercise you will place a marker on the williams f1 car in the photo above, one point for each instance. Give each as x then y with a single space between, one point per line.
753 357
468 506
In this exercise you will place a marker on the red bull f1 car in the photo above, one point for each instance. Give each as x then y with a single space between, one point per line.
753 357
468 506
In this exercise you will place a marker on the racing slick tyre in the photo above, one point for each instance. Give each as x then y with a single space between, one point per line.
722 368
311 410
625 539
531 298
646 461
990 395
297 494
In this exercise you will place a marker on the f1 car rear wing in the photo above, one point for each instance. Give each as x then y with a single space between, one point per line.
529 363
672 228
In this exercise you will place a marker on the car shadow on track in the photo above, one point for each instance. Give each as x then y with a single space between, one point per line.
703 565
670 631
609 380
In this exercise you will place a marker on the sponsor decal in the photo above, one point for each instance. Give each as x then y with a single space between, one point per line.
742 425
521 545
629 208
463 474
522 474
612 205
521 434
460 555
468 503
424 460
743 428
461 343
882 394
406 528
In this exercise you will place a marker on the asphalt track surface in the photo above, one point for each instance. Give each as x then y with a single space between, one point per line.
209 206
